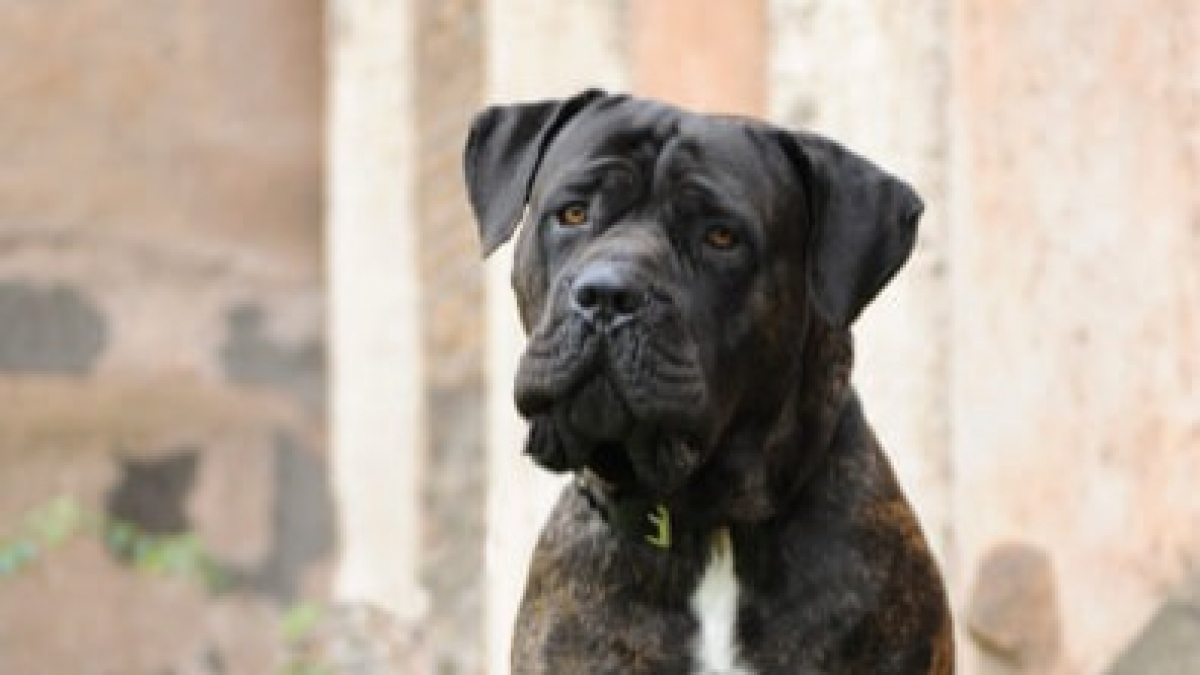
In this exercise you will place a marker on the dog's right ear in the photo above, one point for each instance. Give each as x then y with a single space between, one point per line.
502 156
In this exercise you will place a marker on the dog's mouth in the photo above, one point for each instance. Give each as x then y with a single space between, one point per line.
620 403
611 462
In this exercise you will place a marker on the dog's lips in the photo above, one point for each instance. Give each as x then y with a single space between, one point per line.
629 374
611 463
597 412
631 405
623 450
596 430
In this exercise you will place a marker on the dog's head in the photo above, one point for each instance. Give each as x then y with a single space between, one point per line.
680 277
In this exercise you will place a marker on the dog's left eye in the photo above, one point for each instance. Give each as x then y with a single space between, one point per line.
721 237
572 215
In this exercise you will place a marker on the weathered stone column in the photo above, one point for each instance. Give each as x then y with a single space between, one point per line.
376 392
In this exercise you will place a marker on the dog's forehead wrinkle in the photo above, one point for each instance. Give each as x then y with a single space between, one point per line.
681 157
621 127
716 180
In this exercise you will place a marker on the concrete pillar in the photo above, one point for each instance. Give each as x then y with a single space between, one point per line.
376 393
534 50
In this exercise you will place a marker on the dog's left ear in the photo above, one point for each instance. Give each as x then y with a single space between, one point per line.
864 225
504 149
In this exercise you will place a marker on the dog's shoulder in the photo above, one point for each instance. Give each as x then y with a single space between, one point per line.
590 605
861 584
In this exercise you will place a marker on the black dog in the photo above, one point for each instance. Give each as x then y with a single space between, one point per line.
688 282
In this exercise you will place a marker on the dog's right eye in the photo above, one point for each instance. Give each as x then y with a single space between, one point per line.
572 215
721 237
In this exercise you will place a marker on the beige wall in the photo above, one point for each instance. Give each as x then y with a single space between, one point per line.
161 324
1076 325
666 60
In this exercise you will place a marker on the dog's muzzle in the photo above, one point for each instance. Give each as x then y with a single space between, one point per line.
614 370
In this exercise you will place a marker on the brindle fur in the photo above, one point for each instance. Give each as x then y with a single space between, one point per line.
726 398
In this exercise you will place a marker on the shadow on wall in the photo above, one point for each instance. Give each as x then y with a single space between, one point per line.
49 330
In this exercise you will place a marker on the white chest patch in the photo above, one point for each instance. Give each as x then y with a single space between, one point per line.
715 605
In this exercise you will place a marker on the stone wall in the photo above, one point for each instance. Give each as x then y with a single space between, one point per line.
1076 384
161 327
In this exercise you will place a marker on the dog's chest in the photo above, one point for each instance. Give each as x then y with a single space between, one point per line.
714 603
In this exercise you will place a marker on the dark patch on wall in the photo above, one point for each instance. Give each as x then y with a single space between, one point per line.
52 330
1012 614
213 661
302 522
152 493
1168 645
453 498
250 357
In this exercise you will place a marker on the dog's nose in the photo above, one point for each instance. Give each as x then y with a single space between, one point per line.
605 294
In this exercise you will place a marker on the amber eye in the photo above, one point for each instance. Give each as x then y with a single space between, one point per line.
572 215
721 237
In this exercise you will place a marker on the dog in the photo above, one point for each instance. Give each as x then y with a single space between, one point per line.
687 283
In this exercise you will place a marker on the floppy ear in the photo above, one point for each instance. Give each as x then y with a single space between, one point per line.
504 150
864 225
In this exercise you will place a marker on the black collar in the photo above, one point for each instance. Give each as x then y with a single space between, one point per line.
635 516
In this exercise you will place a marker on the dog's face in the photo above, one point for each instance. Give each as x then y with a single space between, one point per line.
669 271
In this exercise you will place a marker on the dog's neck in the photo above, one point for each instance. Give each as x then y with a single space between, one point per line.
663 550
641 519
668 543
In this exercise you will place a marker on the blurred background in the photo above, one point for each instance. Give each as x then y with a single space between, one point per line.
255 380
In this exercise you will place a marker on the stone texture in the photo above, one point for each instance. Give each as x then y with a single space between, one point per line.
54 330
728 75
1076 386
359 639
82 607
188 123
81 439
251 356
165 162
152 494
162 165
1012 614
302 533
449 79
1168 645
